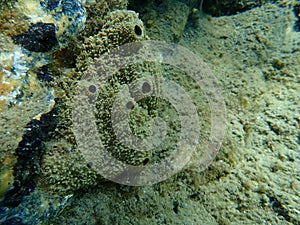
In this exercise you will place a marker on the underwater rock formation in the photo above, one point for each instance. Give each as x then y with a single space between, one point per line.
231 7
41 166
30 31
157 18
40 37
22 98
33 37
22 19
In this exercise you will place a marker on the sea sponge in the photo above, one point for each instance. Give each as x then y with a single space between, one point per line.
120 27
96 11
58 172
63 169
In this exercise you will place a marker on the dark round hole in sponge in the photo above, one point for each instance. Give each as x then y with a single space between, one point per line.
146 161
146 88
138 30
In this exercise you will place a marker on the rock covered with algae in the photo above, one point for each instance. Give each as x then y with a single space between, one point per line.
46 145
40 25
23 97
46 42
31 32
108 25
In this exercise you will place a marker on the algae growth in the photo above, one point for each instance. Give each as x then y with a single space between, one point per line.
254 53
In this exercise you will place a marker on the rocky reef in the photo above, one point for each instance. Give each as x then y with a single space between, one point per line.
47 46
38 149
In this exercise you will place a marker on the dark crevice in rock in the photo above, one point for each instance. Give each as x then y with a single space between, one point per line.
297 14
29 153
